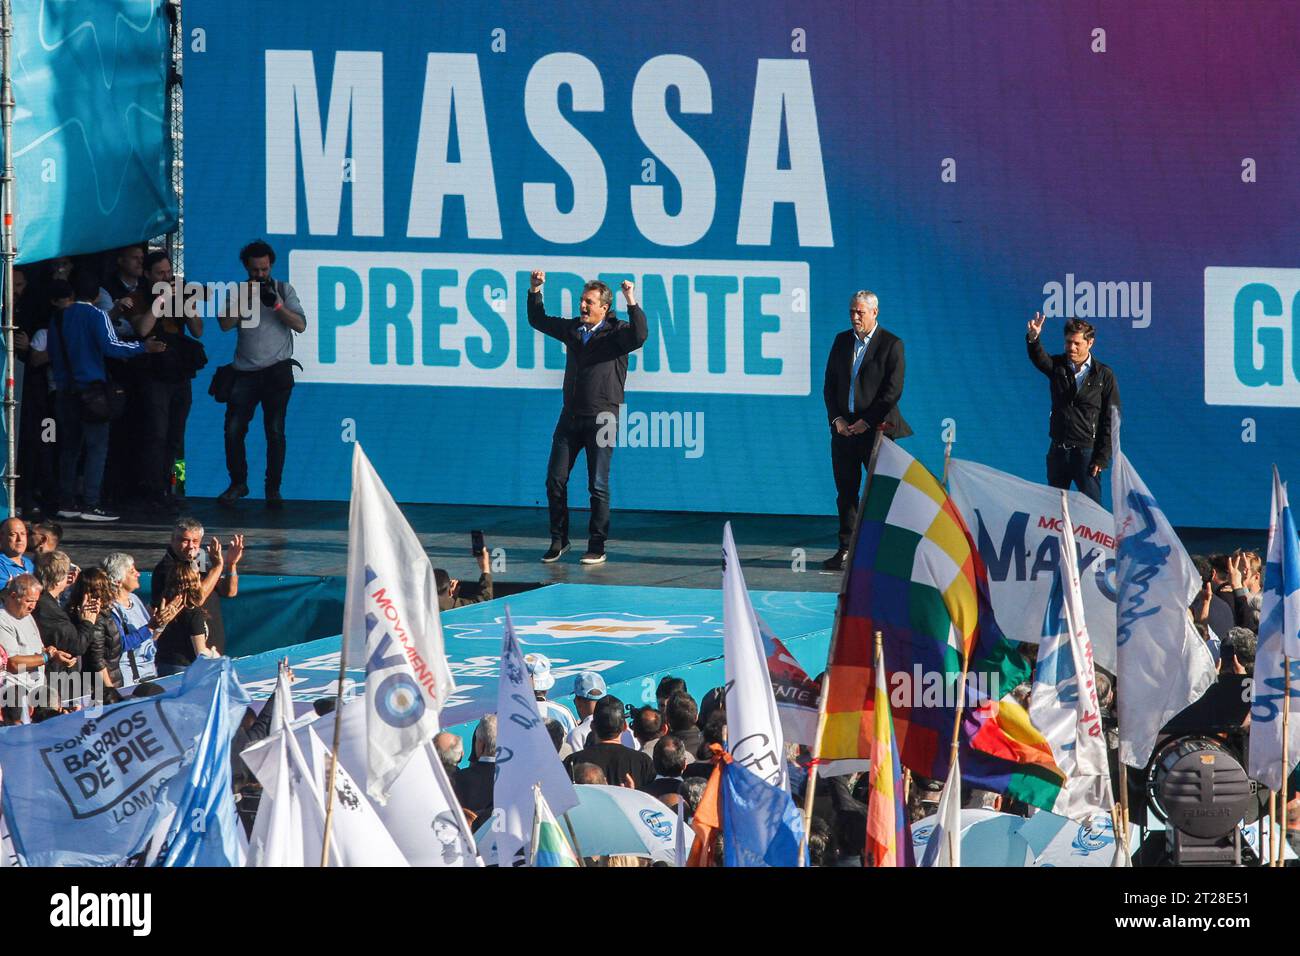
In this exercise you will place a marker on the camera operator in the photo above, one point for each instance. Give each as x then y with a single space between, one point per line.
263 373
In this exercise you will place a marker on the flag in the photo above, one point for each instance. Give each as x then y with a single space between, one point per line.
1016 527
293 805
1162 663
550 846
275 807
760 824
421 815
707 820
752 721
916 576
525 758
944 846
797 695
889 837
92 789
390 620
1064 705
1279 630
357 836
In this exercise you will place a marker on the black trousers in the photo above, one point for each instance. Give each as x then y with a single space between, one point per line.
270 388
573 435
1073 463
38 460
169 410
850 455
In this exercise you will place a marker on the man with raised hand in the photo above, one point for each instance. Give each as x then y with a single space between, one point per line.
597 344
1083 391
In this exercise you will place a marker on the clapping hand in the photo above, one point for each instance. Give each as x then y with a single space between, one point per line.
236 550
166 612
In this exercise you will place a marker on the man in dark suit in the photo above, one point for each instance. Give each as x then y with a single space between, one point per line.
473 785
864 382
597 344
1083 393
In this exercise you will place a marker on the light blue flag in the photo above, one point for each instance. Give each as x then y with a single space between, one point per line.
92 788
1279 622
760 824
206 830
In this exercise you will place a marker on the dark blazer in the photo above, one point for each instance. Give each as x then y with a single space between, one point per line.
1080 416
473 786
594 374
877 388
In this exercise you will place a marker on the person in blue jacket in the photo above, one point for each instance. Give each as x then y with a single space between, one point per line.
79 340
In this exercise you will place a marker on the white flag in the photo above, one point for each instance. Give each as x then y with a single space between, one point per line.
1162 663
356 833
292 802
390 620
422 815
753 724
525 758
1279 623
1064 705
275 808
944 847
1015 524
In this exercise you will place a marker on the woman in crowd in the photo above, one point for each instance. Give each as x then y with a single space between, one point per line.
185 639
91 607
57 628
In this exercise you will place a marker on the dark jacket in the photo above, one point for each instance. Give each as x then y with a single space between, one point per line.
616 761
464 598
57 628
877 388
1080 416
473 788
103 647
594 374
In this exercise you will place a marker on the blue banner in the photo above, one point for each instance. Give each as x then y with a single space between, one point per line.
91 788
749 168
92 151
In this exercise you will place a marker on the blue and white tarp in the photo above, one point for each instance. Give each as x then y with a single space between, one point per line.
92 788
91 149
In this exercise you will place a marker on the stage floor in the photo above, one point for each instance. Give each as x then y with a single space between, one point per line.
648 548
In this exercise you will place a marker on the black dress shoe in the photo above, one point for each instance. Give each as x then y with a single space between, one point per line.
557 548
232 494
273 500
835 562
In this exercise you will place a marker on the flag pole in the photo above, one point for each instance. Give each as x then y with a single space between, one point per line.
811 786
574 836
334 753
537 824
1286 729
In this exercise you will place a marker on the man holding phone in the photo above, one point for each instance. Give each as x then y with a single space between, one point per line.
450 594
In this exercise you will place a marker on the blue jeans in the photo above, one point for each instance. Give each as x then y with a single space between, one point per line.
573 435
74 435
1066 463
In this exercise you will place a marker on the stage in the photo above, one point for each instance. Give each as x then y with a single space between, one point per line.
646 548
